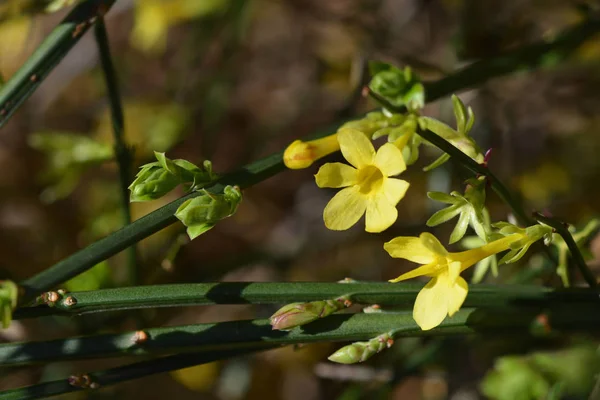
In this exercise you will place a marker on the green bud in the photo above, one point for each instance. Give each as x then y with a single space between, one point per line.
297 314
152 182
202 212
9 293
398 86
362 351
158 178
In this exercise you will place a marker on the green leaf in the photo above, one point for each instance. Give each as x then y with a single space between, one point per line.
461 227
444 215
439 128
441 160
442 197
459 113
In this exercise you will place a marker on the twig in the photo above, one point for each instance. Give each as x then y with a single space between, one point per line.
562 230
386 294
122 151
47 56
337 327
123 373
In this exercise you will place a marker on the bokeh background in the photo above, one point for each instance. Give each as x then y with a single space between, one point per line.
232 81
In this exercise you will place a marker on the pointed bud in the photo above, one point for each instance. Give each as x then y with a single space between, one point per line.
151 183
202 212
299 154
158 178
362 351
297 314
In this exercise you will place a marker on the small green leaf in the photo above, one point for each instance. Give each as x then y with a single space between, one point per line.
459 113
438 127
442 197
461 227
441 160
444 215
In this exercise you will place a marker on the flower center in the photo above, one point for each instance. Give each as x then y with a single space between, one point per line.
370 179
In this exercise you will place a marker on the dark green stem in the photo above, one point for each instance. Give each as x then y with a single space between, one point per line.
337 327
124 373
123 153
140 229
563 231
540 54
47 56
387 294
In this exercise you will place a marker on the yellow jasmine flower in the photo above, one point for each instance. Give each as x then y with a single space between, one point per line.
299 154
446 291
368 187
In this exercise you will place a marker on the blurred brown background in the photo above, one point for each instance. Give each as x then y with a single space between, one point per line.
233 81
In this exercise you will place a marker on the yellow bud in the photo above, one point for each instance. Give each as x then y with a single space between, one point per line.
299 154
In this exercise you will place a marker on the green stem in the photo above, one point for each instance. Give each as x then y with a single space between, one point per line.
122 151
526 58
47 56
562 230
338 327
267 167
140 229
382 293
125 373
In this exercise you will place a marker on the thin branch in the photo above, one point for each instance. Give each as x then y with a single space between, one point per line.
123 153
47 56
562 230
123 373
269 166
386 294
339 327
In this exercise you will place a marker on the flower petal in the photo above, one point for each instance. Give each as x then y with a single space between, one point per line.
389 160
394 189
380 213
453 270
356 147
409 248
457 295
430 242
431 305
335 175
344 209
431 269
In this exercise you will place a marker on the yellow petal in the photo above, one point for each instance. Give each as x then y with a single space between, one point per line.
431 305
335 175
410 248
380 214
344 209
454 270
395 189
389 160
356 148
457 295
432 269
429 241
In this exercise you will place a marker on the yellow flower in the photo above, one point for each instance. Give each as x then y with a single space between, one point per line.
299 154
446 291
368 187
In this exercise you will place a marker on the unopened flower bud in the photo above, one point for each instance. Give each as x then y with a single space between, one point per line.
202 212
299 154
297 314
362 351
